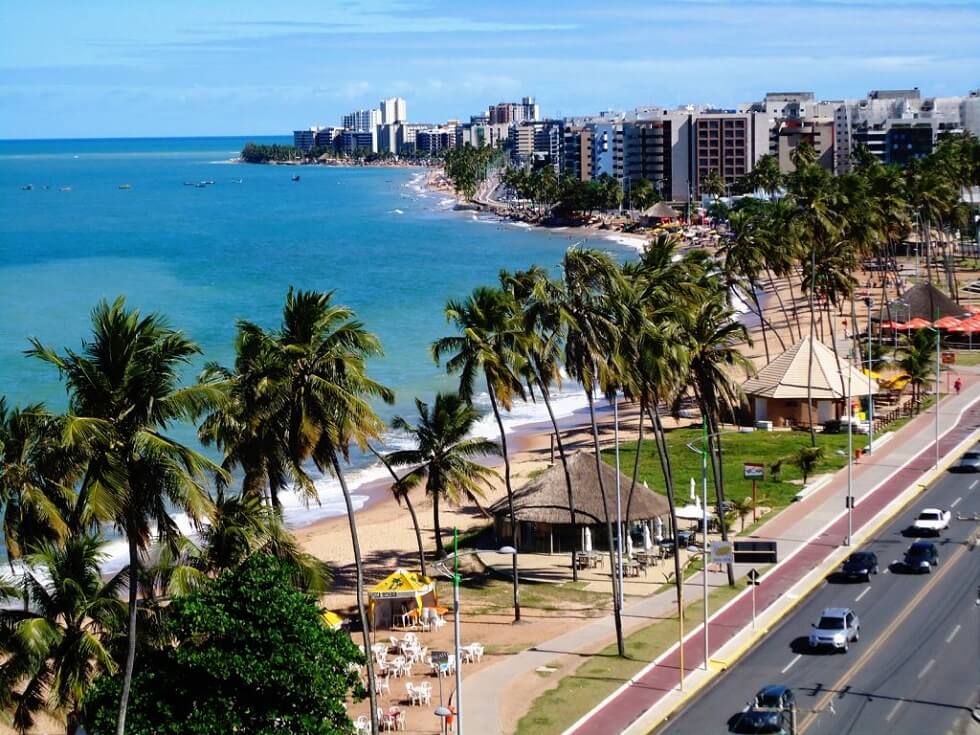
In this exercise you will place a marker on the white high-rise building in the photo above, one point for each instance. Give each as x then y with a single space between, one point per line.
361 120
393 110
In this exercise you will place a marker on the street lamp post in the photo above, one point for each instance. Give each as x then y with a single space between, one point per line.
619 517
454 576
871 405
938 370
704 531
850 444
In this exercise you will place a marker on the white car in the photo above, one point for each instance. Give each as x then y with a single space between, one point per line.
932 520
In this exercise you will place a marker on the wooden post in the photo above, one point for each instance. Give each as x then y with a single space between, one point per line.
552 448
754 512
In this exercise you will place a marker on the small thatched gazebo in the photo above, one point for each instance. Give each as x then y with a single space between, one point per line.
543 517
660 211
922 301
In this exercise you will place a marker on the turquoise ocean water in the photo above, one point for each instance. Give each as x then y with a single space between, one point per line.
206 257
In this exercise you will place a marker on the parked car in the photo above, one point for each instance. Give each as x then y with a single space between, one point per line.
837 627
860 565
770 711
969 462
921 556
931 520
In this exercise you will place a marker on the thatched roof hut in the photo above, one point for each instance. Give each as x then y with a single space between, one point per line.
922 301
660 210
545 498
544 523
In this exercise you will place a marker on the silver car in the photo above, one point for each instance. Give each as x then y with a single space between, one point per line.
837 627
969 462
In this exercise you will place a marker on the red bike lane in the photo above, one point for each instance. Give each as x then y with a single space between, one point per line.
621 711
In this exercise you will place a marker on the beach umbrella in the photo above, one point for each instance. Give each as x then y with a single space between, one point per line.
588 539
629 544
647 542
918 323
658 528
893 325
694 493
973 308
333 620
946 322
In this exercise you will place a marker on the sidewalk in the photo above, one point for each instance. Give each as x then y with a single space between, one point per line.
807 531
792 528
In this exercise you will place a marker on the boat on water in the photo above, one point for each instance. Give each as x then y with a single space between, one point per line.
201 185
125 186
65 188
296 177
27 187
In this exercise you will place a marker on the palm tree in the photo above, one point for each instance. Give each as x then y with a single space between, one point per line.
713 185
712 338
249 426
327 390
54 652
806 460
539 300
918 360
36 476
442 460
591 346
126 382
487 343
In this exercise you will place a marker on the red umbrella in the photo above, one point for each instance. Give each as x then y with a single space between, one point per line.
946 322
893 325
918 323
973 308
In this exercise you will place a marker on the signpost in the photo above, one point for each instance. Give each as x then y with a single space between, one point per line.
753 576
722 552
753 471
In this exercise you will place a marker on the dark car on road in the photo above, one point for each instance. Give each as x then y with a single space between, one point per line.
770 711
969 462
860 565
921 556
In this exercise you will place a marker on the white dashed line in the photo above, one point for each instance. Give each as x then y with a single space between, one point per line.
790 664
866 591
888 717
974 484
925 669
952 635
955 503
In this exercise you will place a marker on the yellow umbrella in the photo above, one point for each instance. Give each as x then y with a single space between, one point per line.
332 619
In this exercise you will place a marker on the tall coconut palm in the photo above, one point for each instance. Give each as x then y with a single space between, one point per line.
538 299
126 380
327 409
442 461
487 344
712 338
53 652
36 475
248 428
591 347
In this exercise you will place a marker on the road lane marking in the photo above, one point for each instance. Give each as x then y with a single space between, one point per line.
955 503
888 717
866 591
885 635
951 636
925 669
973 484
790 664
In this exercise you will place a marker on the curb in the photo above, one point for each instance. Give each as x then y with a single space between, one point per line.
642 726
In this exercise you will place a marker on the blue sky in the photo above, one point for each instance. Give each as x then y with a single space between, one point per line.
212 67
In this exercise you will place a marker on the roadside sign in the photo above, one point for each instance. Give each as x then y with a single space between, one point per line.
753 576
440 657
722 552
752 471
949 358
755 552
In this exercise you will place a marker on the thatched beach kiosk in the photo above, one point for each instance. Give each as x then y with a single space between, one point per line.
543 517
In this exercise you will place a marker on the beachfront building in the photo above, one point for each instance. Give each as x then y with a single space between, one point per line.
511 113
305 140
818 133
351 142
433 140
393 110
537 143
543 516
478 132
778 393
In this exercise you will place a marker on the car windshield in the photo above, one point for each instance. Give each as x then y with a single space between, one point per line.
768 699
971 455
928 516
827 623
858 559
918 550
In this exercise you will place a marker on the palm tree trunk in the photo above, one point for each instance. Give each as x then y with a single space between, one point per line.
661 441
127 682
809 367
617 613
714 451
440 549
568 477
408 502
359 587
510 499
782 306
636 462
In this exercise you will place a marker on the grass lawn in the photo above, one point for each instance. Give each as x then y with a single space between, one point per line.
965 358
604 672
760 447
484 595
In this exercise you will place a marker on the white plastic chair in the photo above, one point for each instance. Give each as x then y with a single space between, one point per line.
424 691
362 724
414 694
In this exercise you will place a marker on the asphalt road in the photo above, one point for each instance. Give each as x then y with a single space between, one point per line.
916 668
